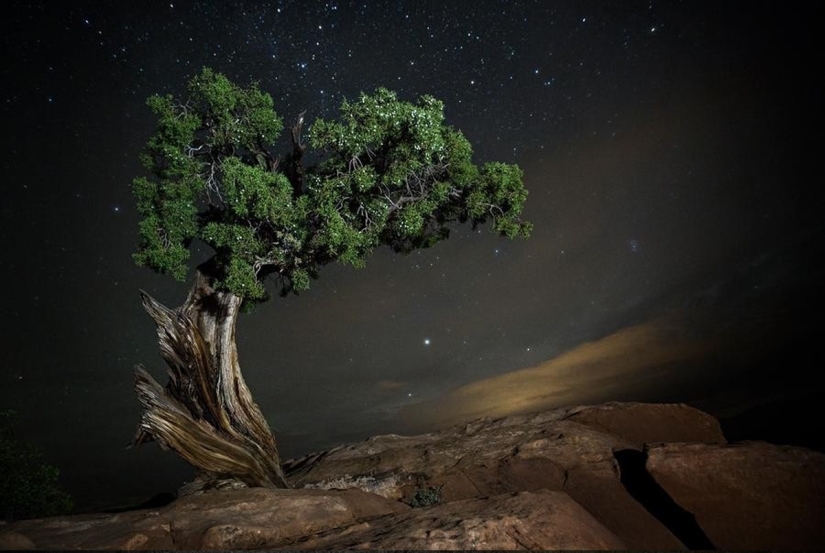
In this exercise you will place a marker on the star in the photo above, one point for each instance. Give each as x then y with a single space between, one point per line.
426 341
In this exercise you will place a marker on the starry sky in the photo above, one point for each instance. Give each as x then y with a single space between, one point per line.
672 150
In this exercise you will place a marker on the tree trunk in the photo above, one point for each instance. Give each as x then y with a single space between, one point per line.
206 413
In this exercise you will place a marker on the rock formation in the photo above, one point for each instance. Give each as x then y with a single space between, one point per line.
751 495
612 476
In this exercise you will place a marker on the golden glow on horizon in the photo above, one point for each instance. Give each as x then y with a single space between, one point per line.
593 371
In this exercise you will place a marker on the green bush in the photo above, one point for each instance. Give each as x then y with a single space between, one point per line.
29 488
426 497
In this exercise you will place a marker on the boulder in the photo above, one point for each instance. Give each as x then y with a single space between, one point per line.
643 423
751 495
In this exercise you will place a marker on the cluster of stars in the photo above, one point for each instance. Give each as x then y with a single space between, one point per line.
320 54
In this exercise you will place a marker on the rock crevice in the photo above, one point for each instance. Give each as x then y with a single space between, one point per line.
643 488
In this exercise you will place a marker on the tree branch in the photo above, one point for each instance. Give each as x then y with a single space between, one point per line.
270 161
298 150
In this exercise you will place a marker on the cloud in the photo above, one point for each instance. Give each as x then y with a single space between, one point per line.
631 359
390 386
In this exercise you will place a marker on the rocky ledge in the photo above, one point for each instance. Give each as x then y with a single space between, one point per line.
612 476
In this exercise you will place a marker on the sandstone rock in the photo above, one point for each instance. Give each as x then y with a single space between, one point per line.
263 518
236 519
12 541
568 449
562 438
643 423
133 530
543 520
604 497
752 495
574 478
313 519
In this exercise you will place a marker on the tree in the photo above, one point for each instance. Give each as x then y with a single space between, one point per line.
29 487
387 172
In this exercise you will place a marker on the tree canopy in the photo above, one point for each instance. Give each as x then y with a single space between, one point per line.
386 172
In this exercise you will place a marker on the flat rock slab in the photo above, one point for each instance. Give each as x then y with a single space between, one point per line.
237 519
544 521
643 423
752 495
314 519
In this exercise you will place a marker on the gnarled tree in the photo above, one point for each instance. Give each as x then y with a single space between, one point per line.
388 172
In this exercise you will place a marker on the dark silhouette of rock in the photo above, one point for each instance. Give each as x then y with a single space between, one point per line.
768 422
751 495
613 476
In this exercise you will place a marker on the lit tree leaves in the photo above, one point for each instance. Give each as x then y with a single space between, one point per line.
500 195
232 116
391 172
250 191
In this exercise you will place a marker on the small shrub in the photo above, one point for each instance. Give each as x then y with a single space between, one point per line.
28 487
426 497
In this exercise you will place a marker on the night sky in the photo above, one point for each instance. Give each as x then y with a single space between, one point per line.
673 154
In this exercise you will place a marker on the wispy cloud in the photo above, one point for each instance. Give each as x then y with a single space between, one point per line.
620 363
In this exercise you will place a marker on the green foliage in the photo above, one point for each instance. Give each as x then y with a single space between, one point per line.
29 488
391 172
426 496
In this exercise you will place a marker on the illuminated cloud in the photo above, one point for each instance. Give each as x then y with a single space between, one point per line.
389 386
620 363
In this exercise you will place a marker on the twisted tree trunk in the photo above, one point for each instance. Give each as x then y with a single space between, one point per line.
206 413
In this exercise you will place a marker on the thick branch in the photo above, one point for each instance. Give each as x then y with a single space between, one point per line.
270 161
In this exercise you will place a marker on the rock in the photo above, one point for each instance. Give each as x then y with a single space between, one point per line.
13 541
234 519
132 530
556 440
752 495
643 423
569 449
543 520
263 518
591 477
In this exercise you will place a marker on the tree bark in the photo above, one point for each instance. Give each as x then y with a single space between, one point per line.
206 413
